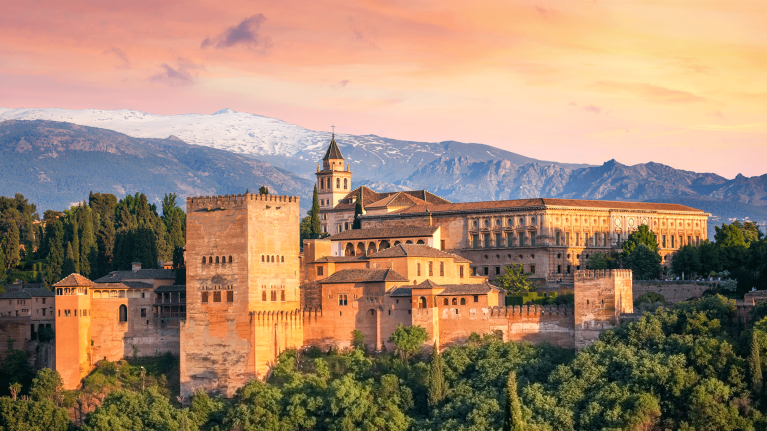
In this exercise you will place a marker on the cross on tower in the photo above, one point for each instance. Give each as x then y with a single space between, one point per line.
334 130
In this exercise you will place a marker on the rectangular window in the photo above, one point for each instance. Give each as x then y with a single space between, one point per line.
143 312
282 295
577 239
510 239
273 296
442 269
319 270
460 271
663 241
497 270
431 269
33 334
216 296
532 269
604 239
343 299
204 297
263 295
521 239
498 240
558 240
487 240
567 238
619 239
568 269
532 239
418 269
43 311
43 300
476 298
475 241
442 244
697 240
672 241
689 240
487 270
229 296
559 269
595 240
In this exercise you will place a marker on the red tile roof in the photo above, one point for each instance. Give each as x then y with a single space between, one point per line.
415 250
545 202
74 280
384 233
364 276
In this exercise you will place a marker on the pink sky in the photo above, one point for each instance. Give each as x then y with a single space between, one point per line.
682 82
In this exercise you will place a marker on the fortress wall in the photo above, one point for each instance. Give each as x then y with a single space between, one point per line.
671 291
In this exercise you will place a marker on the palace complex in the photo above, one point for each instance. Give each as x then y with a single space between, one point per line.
251 292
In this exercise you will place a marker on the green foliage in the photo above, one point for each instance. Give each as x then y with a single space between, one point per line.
644 236
149 409
358 210
179 266
437 382
755 366
603 261
32 415
644 262
47 385
16 369
649 298
686 261
514 420
358 340
409 340
263 190
514 279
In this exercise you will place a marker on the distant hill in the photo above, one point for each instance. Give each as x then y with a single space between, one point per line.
55 164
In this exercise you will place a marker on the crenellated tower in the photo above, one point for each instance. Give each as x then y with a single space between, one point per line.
334 180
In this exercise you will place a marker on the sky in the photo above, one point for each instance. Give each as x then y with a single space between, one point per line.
678 82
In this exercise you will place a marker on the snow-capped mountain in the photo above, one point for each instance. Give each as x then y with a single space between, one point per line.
282 144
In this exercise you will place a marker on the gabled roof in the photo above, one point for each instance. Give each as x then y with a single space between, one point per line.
333 151
449 289
370 197
400 232
364 276
171 288
543 203
415 250
399 199
428 284
74 280
141 274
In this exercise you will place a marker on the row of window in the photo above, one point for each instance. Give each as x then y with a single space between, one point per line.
273 296
674 244
486 270
68 313
431 269
272 259
217 296
499 222
521 241
327 183
599 239
119 294
446 301
209 260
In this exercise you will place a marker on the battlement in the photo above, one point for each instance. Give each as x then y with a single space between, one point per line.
586 274
227 201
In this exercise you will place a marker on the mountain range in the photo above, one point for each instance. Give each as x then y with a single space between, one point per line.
460 172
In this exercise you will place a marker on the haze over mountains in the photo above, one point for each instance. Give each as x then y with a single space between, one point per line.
457 171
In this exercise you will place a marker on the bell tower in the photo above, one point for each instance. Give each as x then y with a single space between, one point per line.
334 180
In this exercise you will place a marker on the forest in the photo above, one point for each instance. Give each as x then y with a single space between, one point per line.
91 238
691 366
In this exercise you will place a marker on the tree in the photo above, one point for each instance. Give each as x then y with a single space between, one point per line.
28 415
264 190
125 410
514 420
88 250
69 266
358 340
409 340
644 262
46 385
686 261
602 261
437 382
755 366
643 235
56 253
314 213
11 252
514 279
357 224
751 232
179 266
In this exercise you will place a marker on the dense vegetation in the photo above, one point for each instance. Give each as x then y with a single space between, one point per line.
688 367
91 238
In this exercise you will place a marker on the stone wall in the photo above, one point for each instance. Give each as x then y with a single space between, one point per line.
672 292
601 297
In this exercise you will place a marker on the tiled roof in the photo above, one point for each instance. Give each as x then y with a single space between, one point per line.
15 294
370 197
415 250
398 232
428 284
141 274
401 291
171 288
137 284
449 289
110 286
340 259
73 280
364 276
399 199
545 202
333 151
39 292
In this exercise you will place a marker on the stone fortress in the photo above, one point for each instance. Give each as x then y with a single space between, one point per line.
418 259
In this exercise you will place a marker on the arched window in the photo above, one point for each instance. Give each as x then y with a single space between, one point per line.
262 258
263 295
420 241
216 259
230 259
463 301
338 183
203 259
455 301
283 259
345 184
123 313
422 302
445 302
408 242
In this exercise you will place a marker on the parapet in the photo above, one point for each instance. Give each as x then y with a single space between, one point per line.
589 274
531 310
228 201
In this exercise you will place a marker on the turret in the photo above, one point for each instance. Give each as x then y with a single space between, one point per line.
334 181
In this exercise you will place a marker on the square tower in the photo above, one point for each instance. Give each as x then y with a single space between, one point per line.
73 329
242 289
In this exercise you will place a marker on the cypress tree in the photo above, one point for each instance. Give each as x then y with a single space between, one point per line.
75 245
87 242
179 266
437 382
357 224
175 230
514 420
69 261
264 190
55 257
315 214
12 255
755 366
105 243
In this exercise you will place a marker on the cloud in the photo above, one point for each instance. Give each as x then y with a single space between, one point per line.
245 33
716 114
119 53
183 73
340 84
648 91
588 108
543 11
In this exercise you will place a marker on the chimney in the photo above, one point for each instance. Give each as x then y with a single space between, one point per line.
135 266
